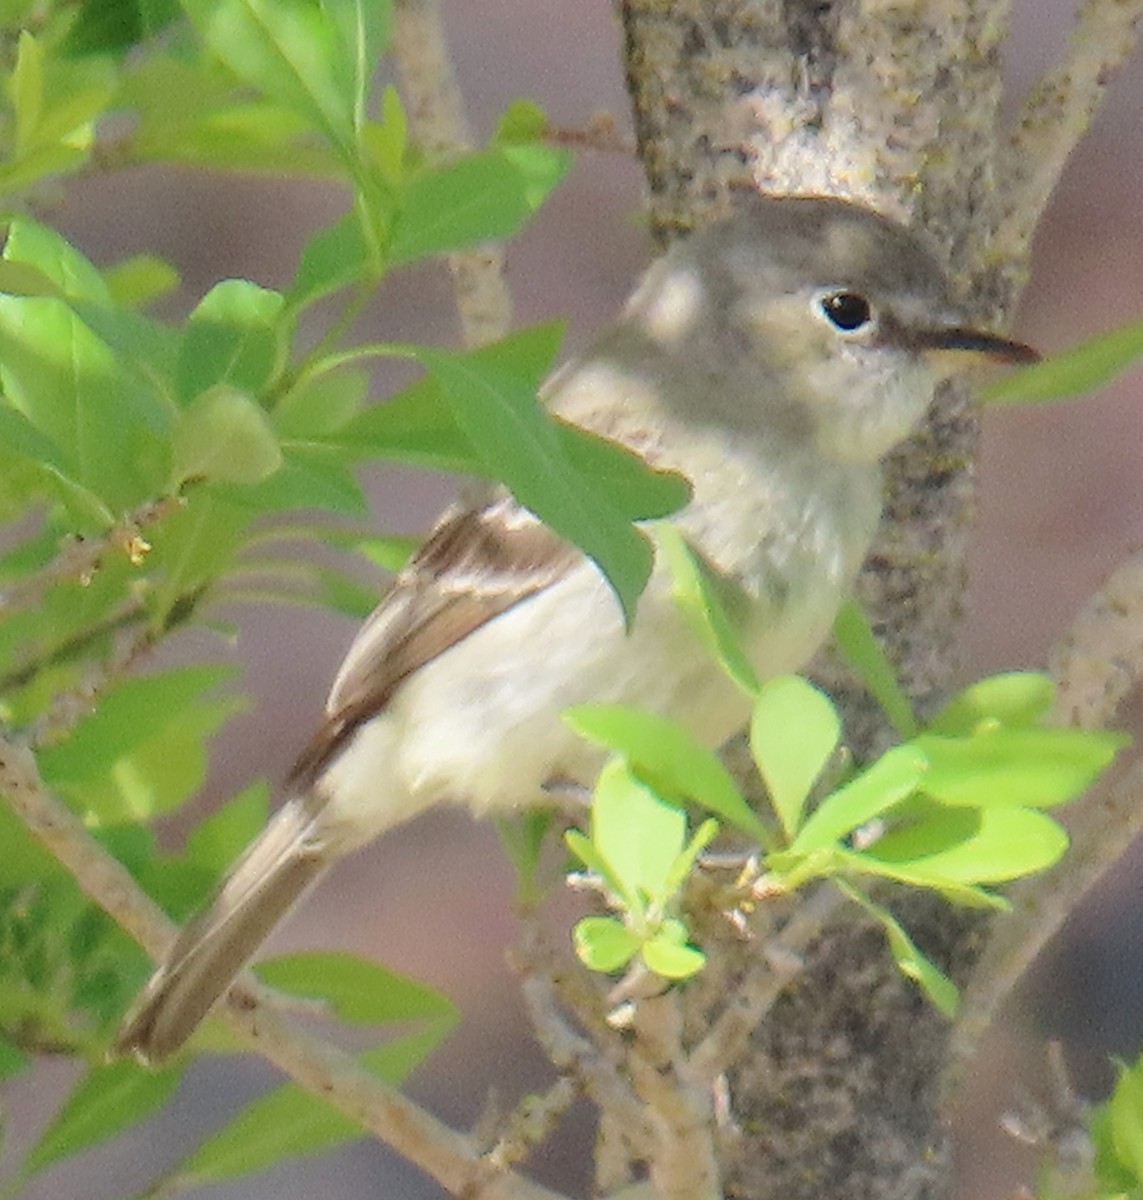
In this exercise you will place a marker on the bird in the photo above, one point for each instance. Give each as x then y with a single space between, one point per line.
773 358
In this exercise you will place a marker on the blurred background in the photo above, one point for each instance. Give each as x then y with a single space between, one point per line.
1061 503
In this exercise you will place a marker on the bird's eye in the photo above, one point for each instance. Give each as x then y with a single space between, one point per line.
848 311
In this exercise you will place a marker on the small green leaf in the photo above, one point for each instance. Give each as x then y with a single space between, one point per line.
604 944
666 755
1025 767
112 26
521 121
1081 369
322 406
713 605
1126 1116
287 1122
107 1100
334 257
585 850
216 841
357 991
637 832
236 336
1007 843
129 713
858 643
888 781
794 732
1015 698
664 955
137 281
910 961
225 435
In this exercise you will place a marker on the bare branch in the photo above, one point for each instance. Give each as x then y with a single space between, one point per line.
436 118
683 1162
1057 113
317 1066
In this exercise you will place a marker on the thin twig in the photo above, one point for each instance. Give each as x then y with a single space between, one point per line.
320 1068
80 557
683 1162
1058 112
437 122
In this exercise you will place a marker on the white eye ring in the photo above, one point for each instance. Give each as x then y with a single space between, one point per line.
847 312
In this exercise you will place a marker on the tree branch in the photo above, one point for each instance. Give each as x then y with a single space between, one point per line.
1057 113
436 118
318 1067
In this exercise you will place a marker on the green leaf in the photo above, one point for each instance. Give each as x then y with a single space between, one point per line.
137 281
107 1100
112 26
356 990
521 121
670 957
668 757
1007 843
234 336
910 961
794 731
640 492
215 842
288 1122
584 849
1125 1110
485 196
1081 369
419 425
334 257
292 52
13 1061
889 780
322 406
1015 698
713 605
106 427
497 410
637 832
130 713
861 649
311 476
1022 767
225 435
604 944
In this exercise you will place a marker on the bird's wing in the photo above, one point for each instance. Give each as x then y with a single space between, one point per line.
477 563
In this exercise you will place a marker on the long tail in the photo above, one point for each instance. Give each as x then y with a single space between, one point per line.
275 872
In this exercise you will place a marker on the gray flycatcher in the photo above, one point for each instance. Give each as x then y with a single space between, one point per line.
773 358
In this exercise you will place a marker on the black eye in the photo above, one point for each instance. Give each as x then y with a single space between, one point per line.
847 310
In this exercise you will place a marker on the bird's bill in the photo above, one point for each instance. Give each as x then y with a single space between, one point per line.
960 347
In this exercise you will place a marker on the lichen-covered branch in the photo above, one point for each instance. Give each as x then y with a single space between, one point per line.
1058 112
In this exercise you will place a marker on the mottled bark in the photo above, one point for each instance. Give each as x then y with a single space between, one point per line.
895 103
